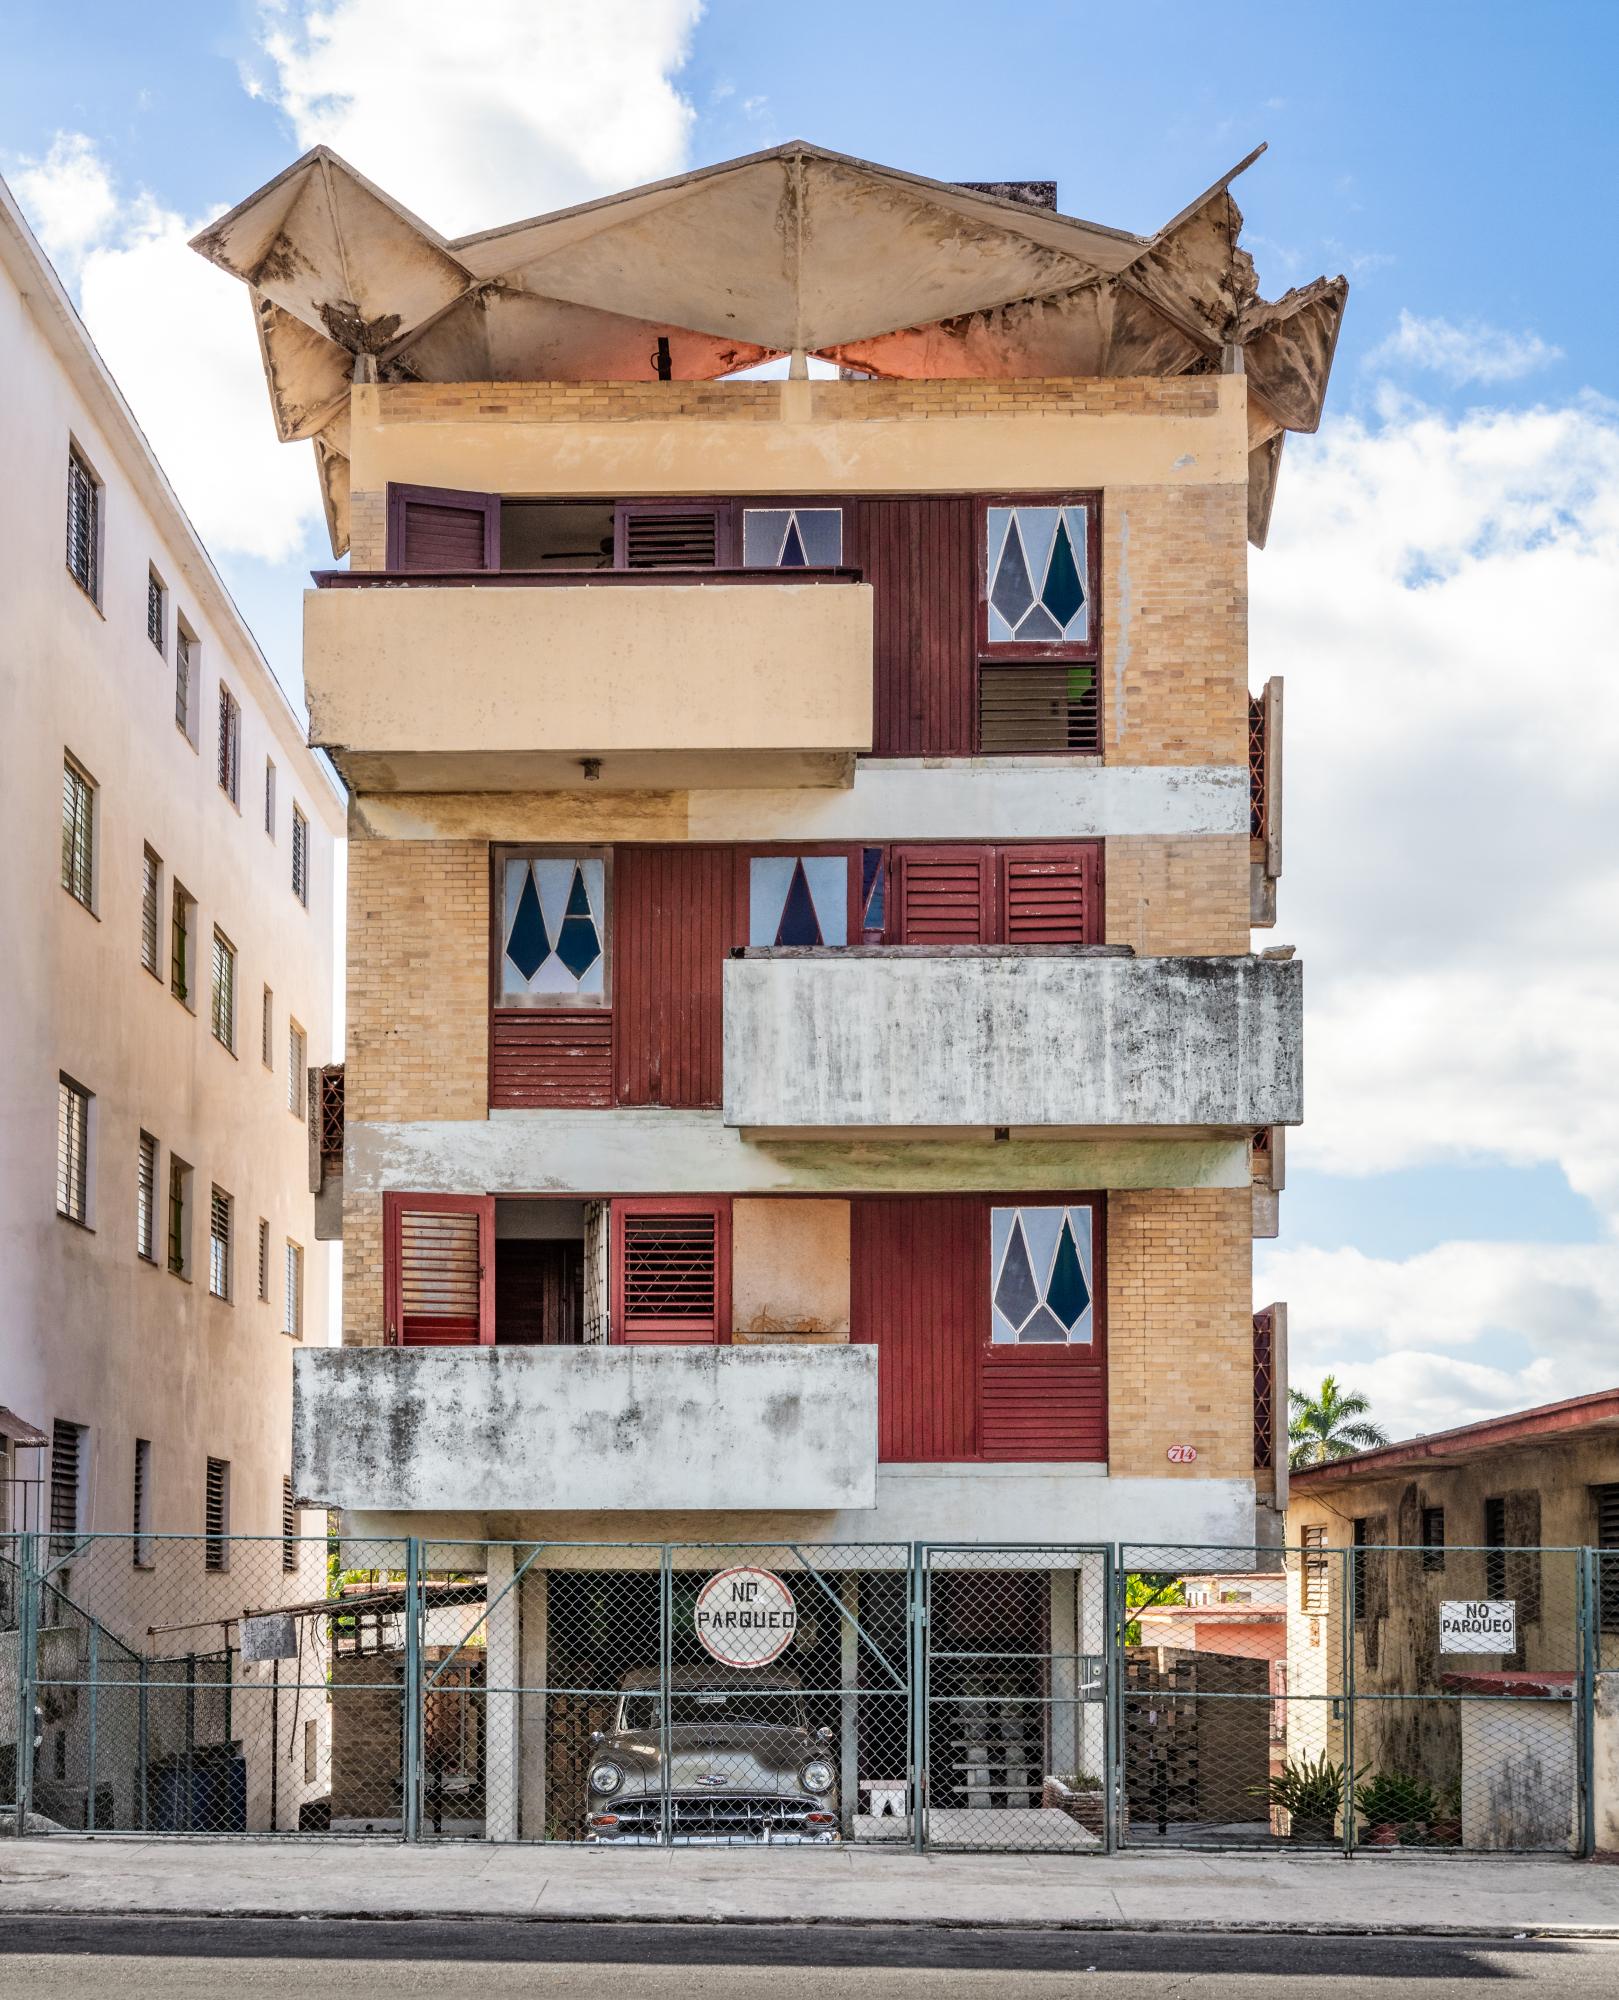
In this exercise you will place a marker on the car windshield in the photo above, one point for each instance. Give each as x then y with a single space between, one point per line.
727 1708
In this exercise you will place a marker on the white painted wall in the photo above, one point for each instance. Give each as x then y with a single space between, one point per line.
90 1332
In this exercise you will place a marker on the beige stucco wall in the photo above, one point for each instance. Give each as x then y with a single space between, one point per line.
789 1269
91 1333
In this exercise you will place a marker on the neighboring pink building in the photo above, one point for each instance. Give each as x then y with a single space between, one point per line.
1242 1614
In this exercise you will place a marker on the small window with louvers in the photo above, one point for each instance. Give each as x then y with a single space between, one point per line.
72 1150
1026 895
1314 1570
944 895
1050 895
84 526
297 1068
441 528
224 993
1605 1500
671 1271
289 1528
140 1513
1039 670
264 1259
78 833
292 1307
67 1476
219 1244
151 911
672 535
146 1198
155 607
438 1259
216 1515
300 857
230 745
185 671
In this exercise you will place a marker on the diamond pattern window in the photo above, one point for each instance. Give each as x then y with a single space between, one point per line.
553 937
1041 1274
798 899
1037 568
792 537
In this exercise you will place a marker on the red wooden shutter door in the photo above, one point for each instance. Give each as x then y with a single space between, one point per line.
440 528
671 1271
1049 895
944 895
674 923
438 1269
919 1290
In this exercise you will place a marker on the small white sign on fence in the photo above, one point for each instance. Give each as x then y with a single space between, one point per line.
1478 1625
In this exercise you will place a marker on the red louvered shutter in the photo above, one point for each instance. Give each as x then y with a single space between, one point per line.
944 895
671 1271
440 528
671 534
438 1269
1049 895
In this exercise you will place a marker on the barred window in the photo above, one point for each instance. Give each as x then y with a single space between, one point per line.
83 526
216 1515
146 1198
140 1513
297 1061
72 1150
67 1484
185 660
179 1230
151 906
219 1244
78 833
224 1008
182 939
267 1031
155 620
292 1312
264 1258
269 797
289 1527
300 857
230 745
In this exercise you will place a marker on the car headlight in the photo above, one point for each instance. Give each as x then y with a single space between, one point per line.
818 1776
605 1778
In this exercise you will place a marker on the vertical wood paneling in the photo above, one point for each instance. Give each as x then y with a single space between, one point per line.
919 556
919 1286
676 920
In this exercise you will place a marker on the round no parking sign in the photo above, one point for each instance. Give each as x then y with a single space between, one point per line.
745 1617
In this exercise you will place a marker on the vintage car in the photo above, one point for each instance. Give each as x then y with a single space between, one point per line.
744 1765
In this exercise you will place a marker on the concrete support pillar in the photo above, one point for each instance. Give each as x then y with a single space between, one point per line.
534 1732
849 1744
1605 1766
502 1675
1065 1727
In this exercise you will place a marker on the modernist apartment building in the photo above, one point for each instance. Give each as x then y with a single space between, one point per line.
808 1069
169 842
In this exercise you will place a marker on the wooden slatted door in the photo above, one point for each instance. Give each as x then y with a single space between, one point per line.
438 1269
671 534
675 922
671 1270
944 895
1051 895
919 1277
442 528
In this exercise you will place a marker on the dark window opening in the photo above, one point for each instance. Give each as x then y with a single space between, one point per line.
539 1273
1433 1538
556 534
1495 1537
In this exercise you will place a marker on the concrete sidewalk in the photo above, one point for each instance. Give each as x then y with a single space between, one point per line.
1374 1894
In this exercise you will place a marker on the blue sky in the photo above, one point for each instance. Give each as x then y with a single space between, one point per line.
1439 592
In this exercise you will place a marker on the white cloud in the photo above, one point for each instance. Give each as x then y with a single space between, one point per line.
68 196
1462 354
475 116
1441 596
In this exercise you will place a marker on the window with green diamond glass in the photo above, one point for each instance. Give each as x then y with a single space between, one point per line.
1038 586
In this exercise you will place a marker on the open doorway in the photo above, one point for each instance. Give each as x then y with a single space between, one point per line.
539 1273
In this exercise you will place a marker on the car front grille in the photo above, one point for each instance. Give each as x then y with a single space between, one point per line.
743 1818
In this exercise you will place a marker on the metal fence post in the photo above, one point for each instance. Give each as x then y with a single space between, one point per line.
1346 1600
666 1630
95 1720
410 1777
27 1667
1587 1599
918 1674
1112 1698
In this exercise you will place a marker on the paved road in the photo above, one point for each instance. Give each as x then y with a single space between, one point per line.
52 1958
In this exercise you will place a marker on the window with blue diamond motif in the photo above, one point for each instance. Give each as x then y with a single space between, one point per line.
1037 576
798 899
1040 1274
553 930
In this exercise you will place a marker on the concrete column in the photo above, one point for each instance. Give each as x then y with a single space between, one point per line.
849 1746
533 1734
502 1674
1064 1726
1605 1765
1090 1624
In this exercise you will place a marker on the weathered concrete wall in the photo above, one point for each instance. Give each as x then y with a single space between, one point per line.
591 670
789 1270
903 1037
613 1428
1605 1765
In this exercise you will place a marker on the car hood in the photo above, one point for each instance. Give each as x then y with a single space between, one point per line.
750 1757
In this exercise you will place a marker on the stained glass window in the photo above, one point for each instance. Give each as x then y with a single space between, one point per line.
792 537
554 930
1040 1274
1037 571
798 899
873 893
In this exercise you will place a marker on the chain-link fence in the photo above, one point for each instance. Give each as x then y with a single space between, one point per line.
967 1697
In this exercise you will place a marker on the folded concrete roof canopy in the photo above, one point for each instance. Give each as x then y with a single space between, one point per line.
794 248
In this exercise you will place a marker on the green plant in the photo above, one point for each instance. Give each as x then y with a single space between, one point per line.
1078 1781
1328 1424
1394 1798
1312 1789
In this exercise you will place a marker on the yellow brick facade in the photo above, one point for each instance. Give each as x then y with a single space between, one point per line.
1180 1332
1178 897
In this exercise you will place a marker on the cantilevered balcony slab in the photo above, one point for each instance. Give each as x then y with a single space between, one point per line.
617 679
533 1429
1032 1039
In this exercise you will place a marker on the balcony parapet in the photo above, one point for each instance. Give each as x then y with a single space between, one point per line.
1029 1040
533 1429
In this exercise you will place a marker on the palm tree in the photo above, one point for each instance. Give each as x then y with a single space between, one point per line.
1329 1424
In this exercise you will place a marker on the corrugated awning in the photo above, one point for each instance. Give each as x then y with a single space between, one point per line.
17 1430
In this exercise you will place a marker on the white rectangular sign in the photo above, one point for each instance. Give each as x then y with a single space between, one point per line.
1478 1625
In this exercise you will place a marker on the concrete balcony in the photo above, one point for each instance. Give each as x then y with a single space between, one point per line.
531 1429
1032 1039
620 679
